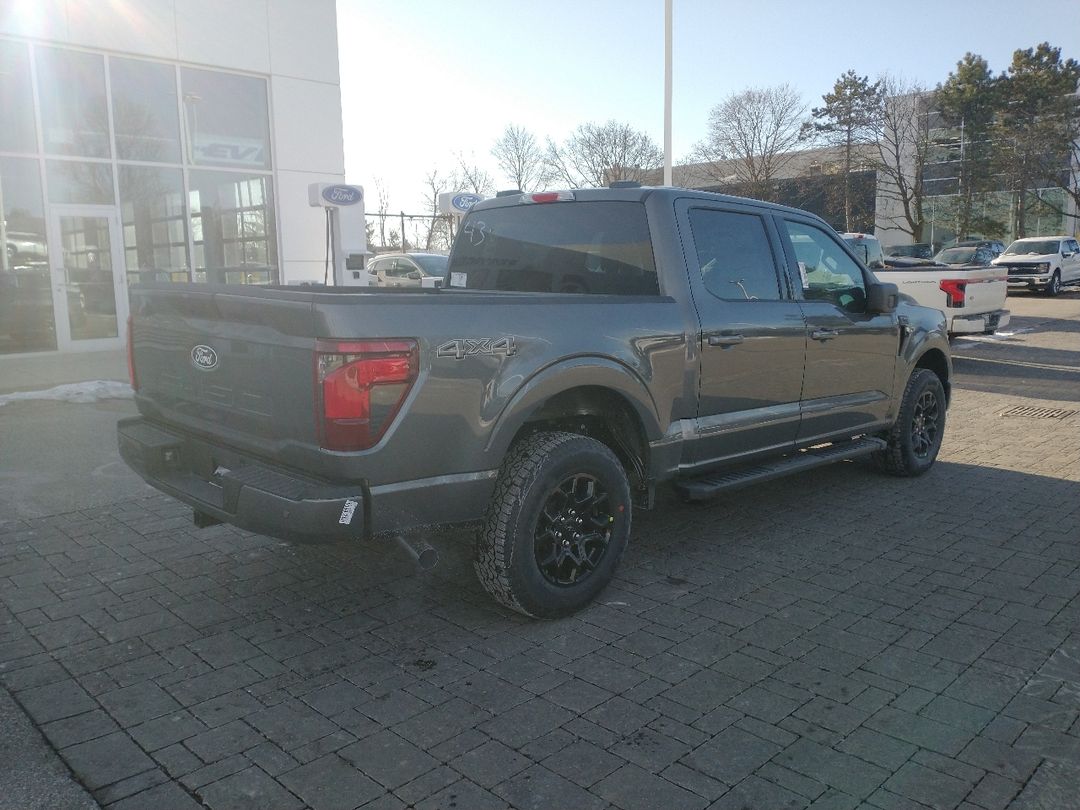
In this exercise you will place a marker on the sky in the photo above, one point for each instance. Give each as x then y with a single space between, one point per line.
426 81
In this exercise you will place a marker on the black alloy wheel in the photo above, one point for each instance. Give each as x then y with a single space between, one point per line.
924 423
556 525
573 530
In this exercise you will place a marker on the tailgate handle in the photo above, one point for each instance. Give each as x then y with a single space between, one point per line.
824 334
724 340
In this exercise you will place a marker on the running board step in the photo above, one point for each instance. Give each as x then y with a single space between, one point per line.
698 489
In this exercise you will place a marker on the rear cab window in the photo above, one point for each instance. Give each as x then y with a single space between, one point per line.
598 247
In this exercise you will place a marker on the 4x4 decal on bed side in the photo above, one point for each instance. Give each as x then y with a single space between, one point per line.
461 348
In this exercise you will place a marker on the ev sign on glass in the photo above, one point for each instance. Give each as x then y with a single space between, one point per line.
343 195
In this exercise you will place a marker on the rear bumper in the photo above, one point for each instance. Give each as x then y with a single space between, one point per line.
983 322
271 500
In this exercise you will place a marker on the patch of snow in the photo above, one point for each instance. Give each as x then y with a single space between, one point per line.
82 392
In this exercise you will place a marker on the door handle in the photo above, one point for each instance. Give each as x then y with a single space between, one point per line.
824 334
725 340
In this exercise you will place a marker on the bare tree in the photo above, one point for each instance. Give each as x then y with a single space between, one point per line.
600 154
384 206
752 136
472 177
903 144
437 228
520 158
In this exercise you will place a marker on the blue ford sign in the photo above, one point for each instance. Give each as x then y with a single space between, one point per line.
463 202
342 195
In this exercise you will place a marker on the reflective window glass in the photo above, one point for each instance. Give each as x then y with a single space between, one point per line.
734 255
827 272
26 310
226 119
233 228
16 101
86 258
155 226
144 110
74 117
71 181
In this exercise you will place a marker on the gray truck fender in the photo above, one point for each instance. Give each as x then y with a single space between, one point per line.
576 372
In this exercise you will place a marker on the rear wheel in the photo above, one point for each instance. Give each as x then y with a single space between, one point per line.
556 526
915 437
1054 287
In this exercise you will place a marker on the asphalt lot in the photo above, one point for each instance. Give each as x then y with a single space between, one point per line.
834 640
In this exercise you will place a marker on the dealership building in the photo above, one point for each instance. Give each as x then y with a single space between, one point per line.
157 140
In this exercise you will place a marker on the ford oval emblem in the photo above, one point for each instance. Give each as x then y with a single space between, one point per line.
204 358
463 202
343 195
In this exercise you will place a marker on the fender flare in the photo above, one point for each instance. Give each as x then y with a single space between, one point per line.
576 372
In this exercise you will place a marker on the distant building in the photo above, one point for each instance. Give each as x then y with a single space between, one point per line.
157 140
811 179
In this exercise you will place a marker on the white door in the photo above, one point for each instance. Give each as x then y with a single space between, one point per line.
89 286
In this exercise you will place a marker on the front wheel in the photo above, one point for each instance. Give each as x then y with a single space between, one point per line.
556 527
1054 287
915 437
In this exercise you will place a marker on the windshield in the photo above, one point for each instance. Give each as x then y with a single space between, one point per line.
961 255
432 265
600 247
1033 248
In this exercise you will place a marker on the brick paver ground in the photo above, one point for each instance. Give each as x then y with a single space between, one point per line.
835 640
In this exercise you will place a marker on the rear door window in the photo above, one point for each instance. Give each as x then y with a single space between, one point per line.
579 247
734 256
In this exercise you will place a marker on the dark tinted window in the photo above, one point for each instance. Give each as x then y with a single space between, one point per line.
432 265
734 256
602 248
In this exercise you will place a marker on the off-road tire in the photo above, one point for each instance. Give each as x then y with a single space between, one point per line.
505 559
899 457
1053 289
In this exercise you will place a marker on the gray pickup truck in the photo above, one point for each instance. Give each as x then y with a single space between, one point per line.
589 346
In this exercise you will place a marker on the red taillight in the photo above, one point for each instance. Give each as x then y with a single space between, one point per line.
131 353
360 386
955 289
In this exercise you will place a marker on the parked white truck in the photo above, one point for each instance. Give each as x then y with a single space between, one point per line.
969 293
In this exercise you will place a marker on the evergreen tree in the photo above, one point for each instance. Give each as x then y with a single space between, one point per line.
968 102
1032 134
848 120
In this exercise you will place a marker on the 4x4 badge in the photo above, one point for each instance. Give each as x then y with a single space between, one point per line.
461 348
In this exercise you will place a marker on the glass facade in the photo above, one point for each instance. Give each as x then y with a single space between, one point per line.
183 155
26 307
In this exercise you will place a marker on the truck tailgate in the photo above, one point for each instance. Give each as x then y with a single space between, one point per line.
224 363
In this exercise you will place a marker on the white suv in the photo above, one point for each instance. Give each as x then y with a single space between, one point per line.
1044 263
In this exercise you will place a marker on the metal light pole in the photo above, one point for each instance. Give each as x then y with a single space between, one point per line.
667 92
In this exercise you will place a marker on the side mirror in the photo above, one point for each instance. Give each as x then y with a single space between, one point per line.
881 299
416 275
373 272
